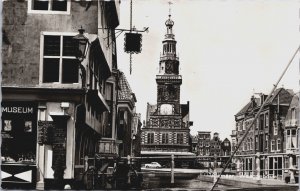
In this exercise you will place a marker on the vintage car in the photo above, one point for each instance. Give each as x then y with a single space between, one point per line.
153 165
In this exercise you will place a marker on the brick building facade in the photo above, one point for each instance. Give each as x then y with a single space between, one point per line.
268 138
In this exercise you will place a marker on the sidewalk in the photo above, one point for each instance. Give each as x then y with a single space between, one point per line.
246 182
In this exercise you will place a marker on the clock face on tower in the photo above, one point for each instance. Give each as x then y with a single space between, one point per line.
169 68
166 109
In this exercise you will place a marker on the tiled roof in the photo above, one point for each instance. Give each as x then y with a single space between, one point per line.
244 109
125 92
249 106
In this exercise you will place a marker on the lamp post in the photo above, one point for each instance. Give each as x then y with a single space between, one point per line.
81 42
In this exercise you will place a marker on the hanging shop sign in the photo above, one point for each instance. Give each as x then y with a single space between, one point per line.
133 43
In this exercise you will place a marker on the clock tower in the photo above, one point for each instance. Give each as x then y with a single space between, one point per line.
167 127
168 80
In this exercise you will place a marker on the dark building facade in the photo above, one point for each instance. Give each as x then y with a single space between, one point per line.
167 128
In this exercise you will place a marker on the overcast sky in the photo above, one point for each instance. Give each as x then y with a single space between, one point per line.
227 50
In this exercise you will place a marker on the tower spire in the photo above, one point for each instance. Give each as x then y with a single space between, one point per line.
169 62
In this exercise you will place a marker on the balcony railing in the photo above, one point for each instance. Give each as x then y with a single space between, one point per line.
107 146
169 57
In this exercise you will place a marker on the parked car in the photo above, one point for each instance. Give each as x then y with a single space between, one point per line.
153 165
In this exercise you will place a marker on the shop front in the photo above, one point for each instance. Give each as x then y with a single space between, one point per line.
19 142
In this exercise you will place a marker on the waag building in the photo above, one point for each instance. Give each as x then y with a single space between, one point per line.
167 128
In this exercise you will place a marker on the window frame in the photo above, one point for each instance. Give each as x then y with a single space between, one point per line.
278 143
165 138
179 139
266 119
150 138
30 9
273 145
275 128
41 71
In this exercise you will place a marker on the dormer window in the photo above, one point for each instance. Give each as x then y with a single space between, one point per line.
49 7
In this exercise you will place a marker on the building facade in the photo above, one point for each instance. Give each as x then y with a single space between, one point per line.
204 139
58 112
226 147
128 118
211 149
265 146
167 128
215 145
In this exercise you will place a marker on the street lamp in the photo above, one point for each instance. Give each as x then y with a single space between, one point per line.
81 41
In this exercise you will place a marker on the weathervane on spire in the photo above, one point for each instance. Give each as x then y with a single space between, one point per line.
170 3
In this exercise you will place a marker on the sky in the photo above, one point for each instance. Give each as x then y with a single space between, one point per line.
228 50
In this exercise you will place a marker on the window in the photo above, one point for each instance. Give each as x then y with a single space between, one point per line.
150 138
278 144
180 138
58 61
256 142
239 126
165 138
261 122
273 145
293 111
275 127
207 152
266 120
49 7
266 142
201 144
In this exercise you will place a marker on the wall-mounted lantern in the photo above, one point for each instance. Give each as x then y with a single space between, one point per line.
81 42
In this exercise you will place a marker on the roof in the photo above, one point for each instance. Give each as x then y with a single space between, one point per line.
255 101
185 109
226 140
125 93
249 106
